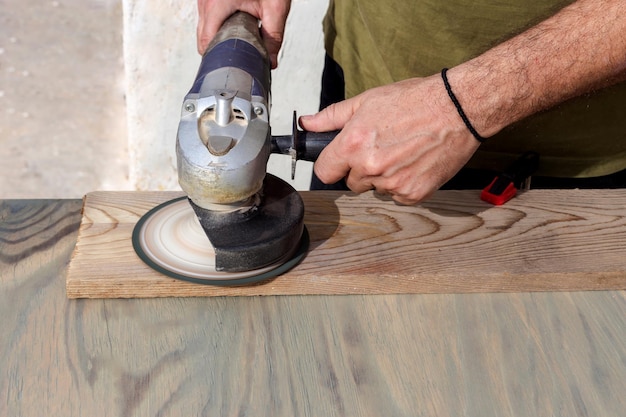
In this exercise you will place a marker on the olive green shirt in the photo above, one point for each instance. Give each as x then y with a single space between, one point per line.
380 42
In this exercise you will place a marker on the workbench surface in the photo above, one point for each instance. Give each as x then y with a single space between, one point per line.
499 354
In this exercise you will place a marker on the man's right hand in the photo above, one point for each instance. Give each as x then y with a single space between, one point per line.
404 140
271 13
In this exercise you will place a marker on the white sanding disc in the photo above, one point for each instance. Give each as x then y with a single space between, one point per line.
169 238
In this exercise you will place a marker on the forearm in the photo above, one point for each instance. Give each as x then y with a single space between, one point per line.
578 50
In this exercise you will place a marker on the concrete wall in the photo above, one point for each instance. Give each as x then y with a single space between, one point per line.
62 109
161 62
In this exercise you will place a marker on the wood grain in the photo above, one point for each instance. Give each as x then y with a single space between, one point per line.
542 240
509 354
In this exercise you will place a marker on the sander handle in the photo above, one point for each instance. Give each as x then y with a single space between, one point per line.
309 145
314 143
302 144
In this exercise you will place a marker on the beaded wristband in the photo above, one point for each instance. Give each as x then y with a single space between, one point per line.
459 108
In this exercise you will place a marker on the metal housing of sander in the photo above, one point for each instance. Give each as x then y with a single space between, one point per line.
223 136
223 145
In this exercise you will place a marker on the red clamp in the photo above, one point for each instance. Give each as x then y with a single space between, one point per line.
505 185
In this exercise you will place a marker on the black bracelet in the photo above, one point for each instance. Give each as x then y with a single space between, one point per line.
459 108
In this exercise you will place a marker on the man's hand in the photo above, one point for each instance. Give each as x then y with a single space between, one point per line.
405 139
272 13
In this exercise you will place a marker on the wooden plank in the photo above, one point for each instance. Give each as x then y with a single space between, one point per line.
543 240
514 354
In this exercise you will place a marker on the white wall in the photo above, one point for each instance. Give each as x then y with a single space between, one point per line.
160 65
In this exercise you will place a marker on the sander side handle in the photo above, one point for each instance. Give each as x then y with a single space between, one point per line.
314 143
309 145
302 144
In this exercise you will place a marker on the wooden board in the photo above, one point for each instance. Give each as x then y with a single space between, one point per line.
490 355
543 240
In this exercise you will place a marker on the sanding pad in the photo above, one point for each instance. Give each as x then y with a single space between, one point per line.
170 239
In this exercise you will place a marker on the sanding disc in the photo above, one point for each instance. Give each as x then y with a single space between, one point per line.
169 239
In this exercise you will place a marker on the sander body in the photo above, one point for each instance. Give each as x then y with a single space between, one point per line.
253 220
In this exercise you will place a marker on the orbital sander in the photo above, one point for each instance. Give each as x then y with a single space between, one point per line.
238 224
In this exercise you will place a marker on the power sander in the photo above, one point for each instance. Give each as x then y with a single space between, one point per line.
253 220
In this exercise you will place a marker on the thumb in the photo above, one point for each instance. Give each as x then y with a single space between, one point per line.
333 117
